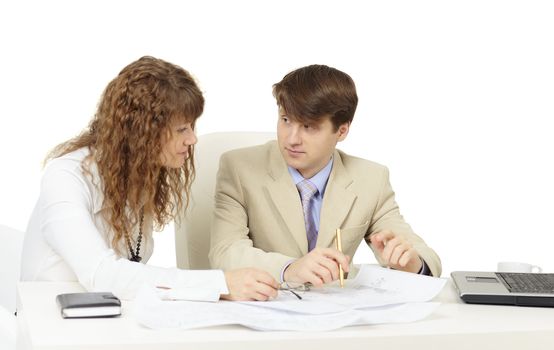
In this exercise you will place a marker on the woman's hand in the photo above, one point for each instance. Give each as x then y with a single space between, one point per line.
250 284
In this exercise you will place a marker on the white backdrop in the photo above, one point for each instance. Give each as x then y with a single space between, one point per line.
456 98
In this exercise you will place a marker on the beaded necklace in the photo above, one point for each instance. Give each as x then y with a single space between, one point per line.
135 254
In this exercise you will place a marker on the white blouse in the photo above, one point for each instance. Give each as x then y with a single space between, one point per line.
67 239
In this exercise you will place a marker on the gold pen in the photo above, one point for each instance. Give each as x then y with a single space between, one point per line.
339 248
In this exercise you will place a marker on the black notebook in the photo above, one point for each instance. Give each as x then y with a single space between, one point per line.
89 304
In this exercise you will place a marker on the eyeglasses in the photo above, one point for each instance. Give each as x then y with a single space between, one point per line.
295 288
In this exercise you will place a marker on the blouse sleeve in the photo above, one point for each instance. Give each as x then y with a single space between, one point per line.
66 212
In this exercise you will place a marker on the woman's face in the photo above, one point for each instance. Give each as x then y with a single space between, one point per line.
175 146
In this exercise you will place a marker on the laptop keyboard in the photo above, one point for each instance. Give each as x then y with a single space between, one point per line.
528 282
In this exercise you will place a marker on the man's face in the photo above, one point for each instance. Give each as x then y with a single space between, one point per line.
308 147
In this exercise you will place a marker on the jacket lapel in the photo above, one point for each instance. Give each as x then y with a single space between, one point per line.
337 203
285 197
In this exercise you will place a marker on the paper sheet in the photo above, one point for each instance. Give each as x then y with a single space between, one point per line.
377 295
373 286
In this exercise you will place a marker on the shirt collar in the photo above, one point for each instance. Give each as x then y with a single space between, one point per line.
319 179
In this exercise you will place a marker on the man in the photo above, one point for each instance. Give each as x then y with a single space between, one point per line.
278 205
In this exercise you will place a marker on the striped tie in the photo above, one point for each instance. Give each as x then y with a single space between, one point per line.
307 192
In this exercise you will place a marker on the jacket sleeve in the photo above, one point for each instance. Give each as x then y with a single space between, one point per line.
231 246
66 221
387 217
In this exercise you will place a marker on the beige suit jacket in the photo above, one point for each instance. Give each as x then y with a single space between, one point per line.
258 219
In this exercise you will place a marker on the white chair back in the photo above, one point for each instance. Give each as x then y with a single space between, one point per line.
192 233
11 242
8 328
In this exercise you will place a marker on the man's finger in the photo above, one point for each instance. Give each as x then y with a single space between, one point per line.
314 279
407 256
397 252
332 266
325 272
339 257
389 248
383 236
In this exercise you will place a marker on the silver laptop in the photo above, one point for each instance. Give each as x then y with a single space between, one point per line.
506 288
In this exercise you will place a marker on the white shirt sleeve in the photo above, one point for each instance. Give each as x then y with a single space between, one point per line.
66 212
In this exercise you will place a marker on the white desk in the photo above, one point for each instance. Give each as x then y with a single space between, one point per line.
454 325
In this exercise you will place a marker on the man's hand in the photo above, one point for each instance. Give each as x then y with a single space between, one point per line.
319 266
250 284
396 251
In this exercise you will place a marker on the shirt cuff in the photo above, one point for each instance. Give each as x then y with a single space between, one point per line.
223 288
425 270
209 286
282 279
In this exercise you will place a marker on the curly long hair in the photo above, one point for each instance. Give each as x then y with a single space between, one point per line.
125 137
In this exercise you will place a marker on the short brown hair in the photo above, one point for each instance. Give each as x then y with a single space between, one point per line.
312 92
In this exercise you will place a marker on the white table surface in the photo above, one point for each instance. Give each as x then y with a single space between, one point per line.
454 325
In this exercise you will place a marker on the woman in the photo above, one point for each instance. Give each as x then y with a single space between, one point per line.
104 190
